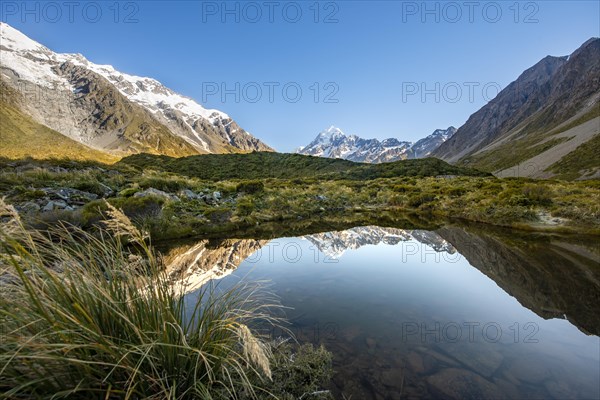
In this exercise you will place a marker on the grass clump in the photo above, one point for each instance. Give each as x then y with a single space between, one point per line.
84 315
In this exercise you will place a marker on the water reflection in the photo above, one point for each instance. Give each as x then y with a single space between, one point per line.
463 312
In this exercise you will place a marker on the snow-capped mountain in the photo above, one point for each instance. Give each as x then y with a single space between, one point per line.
335 244
333 143
190 266
110 110
424 147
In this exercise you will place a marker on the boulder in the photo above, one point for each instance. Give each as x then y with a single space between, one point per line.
29 207
70 195
55 205
157 193
106 190
189 194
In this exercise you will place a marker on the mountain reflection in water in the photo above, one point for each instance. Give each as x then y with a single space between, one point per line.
462 312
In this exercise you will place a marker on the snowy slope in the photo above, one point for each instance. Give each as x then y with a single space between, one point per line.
28 64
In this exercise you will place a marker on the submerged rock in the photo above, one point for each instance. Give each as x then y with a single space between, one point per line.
462 384
480 357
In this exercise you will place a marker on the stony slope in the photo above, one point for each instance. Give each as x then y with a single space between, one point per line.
527 118
21 136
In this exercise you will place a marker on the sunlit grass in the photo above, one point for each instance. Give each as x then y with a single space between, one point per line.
86 315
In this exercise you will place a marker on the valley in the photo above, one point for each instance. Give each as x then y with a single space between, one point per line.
152 248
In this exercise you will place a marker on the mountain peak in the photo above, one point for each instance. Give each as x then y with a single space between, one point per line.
333 143
331 132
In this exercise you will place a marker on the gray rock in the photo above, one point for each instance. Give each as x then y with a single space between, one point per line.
60 204
157 193
217 195
321 197
27 167
415 362
480 357
371 343
107 190
29 207
58 170
49 206
189 194
70 195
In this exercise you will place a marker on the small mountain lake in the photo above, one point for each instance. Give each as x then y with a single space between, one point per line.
455 313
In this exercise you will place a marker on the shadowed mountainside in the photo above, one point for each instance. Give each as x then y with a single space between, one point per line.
553 276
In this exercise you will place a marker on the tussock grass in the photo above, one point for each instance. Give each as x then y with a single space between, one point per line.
86 316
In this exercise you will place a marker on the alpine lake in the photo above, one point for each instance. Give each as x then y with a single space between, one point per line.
456 312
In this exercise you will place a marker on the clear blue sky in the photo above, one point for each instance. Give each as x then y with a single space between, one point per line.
377 55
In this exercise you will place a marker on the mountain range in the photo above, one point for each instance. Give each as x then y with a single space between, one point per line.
190 266
334 244
106 110
333 143
544 124
514 265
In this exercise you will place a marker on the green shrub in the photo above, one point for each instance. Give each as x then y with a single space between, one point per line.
456 191
250 187
89 186
296 374
538 194
405 188
128 192
218 216
396 200
170 185
29 194
139 207
420 199
245 206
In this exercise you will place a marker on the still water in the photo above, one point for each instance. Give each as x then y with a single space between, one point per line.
454 313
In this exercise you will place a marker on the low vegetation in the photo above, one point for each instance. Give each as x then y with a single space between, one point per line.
171 205
94 316
583 161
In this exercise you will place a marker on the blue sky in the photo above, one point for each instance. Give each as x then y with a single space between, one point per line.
373 68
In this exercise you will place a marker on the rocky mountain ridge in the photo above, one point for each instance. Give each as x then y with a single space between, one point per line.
551 111
333 143
109 110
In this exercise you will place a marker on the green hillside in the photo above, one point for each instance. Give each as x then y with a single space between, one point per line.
261 165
